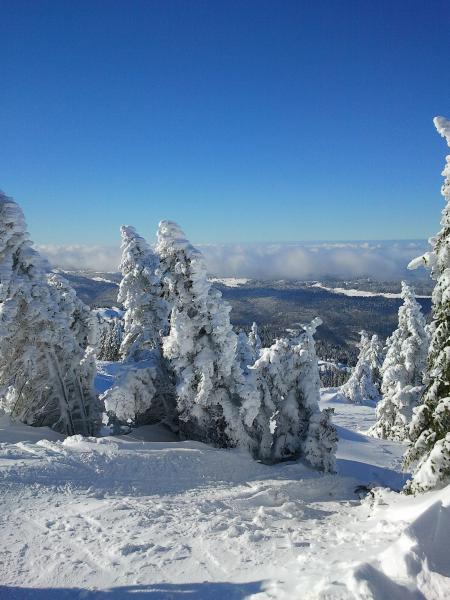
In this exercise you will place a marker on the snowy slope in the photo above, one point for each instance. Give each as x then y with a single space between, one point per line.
120 518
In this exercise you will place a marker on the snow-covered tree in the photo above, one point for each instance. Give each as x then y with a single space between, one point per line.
82 322
402 370
111 338
255 341
430 426
245 354
289 422
142 394
362 383
375 357
141 295
46 374
201 345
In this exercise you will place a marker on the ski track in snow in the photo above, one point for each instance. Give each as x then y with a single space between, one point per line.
122 517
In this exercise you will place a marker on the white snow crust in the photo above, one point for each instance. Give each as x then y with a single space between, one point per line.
144 516
361 293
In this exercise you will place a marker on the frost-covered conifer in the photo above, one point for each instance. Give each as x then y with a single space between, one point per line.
402 370
46 375
82 321
140 293
201 345
255 341
375 356
244 351
111 338
430 425
142 394
361 385
289 422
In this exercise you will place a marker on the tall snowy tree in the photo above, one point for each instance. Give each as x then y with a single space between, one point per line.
255 341
140 293
402 370
201 345
245 352
362 383
430 425
289 422
82 322
46 375
111 338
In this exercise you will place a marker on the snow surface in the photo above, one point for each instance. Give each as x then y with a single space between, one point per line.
102 279
143 516
360 293
229 281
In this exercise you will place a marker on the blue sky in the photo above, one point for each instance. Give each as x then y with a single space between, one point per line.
248 121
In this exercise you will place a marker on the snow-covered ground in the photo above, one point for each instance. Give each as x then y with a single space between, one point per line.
131 517
229 281
360 293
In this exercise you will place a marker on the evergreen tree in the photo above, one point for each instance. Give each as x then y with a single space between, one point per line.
82 321
140 293
201 345
362 383
111 338
245 355
289 422
142 394
402 370
430 425
46 375
255 341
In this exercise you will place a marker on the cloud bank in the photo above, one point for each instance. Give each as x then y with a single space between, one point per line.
380 260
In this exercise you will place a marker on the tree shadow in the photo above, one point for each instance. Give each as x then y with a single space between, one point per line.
162 591
372 474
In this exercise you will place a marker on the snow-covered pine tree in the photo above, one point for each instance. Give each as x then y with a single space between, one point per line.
361 385
402 370
201 345
375 356
82 321
289 422
430 426
46 375
245 352
255 341
142 394
140 293
111 338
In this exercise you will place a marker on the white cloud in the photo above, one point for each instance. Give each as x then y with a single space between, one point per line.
382 260
77 256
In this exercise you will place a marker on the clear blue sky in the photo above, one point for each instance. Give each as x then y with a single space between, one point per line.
241 120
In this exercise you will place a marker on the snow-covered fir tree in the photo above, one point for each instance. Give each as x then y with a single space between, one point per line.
142 394
255 341
362 383
82 321
140 293
289 422
201 345
111 338
402 370
375 357
46 375
245 352
430 426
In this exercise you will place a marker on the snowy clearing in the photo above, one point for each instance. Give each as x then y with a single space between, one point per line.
360 293
119 517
